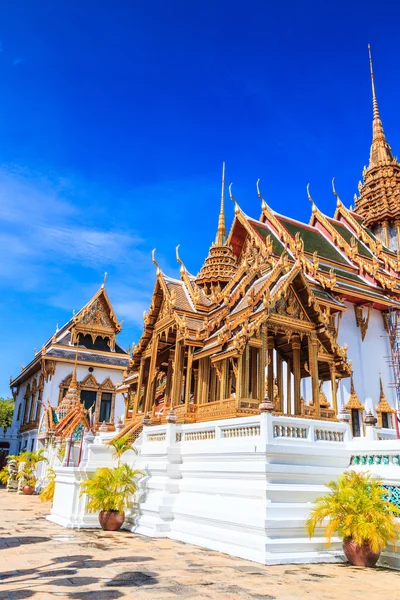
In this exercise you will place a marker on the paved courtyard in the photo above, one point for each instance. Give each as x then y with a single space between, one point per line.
41 560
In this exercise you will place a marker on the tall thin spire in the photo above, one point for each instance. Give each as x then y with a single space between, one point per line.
380 149
220 238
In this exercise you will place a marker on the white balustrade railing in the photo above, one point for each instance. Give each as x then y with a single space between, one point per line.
268 428
197 436
244 431
289 431
156 437
328 435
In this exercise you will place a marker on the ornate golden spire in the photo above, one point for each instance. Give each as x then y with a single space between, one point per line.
220 264
220 238
353 401
380 152
383 405
378 203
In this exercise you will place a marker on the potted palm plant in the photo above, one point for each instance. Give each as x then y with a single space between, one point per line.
110 489
357 510
27 472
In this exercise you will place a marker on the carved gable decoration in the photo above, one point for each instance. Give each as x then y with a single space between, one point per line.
107 384
289 306
89 381
98 315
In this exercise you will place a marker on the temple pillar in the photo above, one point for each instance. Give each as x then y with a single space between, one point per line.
203 380
240 378
279 375
332 369
253 365
152 375
139 387
168 386
177 375
270 369
189 363
288 388
296 346
196 386
224 379
262 365
313 361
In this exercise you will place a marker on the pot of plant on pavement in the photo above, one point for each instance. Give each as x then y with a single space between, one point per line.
357 511
111 489
28 462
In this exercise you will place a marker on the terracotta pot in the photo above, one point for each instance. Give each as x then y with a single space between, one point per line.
28 490
111 521
359 556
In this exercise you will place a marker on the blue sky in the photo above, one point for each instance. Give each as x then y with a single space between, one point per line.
115 118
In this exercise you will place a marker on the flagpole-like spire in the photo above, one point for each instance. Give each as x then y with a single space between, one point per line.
220 238
380 149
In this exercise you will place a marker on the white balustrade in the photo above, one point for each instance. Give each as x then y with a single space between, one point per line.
235 432
156 437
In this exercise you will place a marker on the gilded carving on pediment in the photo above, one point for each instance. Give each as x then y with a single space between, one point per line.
97 315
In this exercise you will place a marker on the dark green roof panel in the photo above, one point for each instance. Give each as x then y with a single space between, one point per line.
313 241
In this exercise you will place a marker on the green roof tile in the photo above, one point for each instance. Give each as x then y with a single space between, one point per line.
313 240
347 235
277 246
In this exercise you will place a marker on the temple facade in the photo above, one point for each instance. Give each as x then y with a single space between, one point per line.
301 315
76 373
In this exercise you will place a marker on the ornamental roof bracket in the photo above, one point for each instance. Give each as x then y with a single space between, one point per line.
313 205
361 321
153 260
338 200
237 207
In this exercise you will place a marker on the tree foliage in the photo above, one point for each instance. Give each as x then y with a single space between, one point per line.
30 461
356 507
111 488
6 412
120 446
47 493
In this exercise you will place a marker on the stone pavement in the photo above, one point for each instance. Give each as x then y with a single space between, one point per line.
43 561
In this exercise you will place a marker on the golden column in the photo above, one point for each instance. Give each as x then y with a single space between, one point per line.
296 346
152 374
332 369
288 388
246 374
313 360
239 378
262 364
189 364
270 348
168 387
196 386
279 375
176 393
139 387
